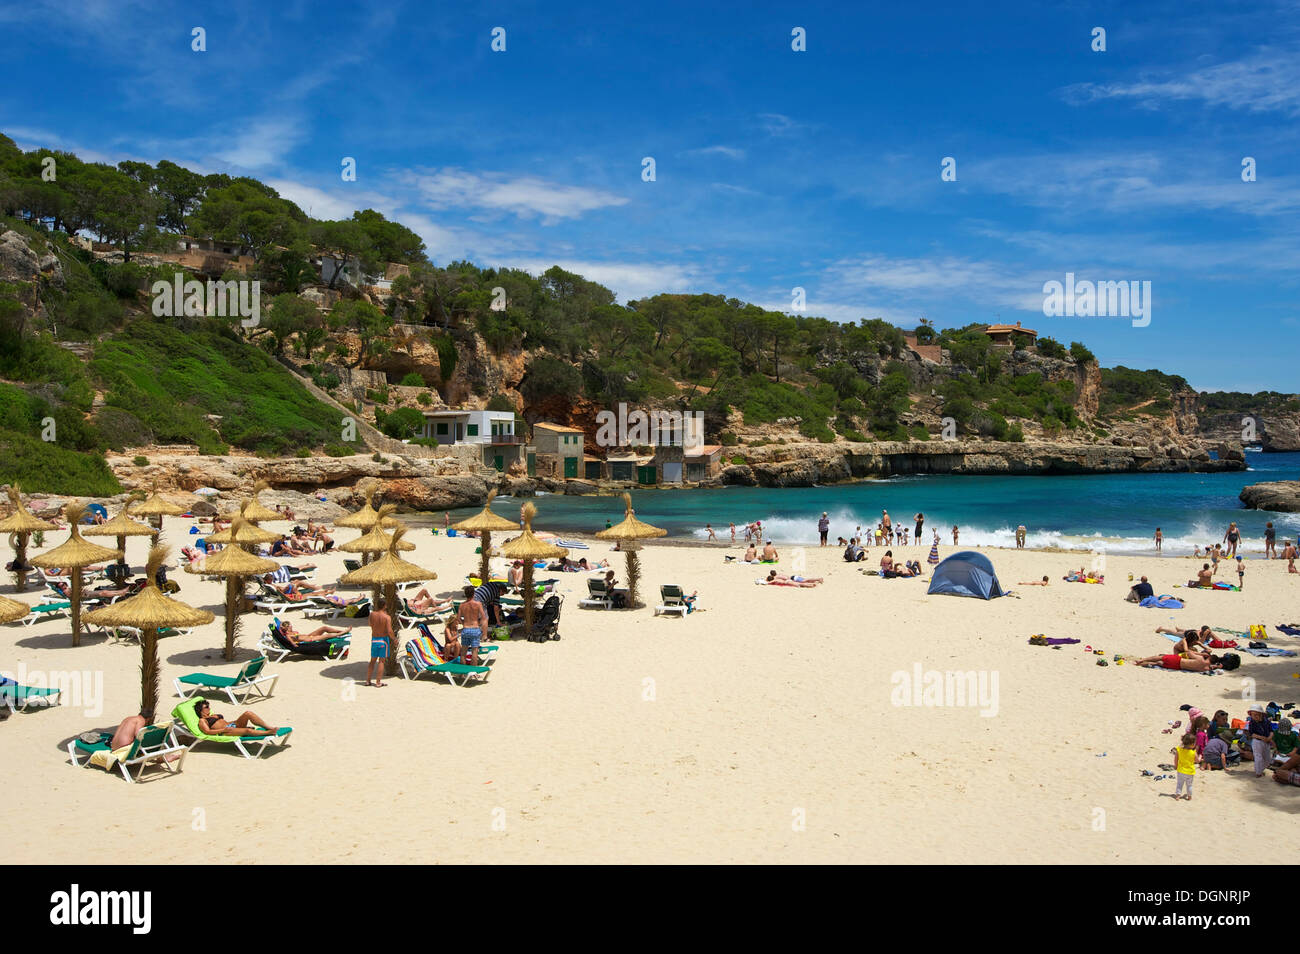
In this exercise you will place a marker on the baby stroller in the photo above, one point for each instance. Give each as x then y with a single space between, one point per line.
546 624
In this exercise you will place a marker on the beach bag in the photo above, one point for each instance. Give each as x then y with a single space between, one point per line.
1217 643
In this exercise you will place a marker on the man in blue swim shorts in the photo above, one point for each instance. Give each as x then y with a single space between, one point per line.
473 620
381 635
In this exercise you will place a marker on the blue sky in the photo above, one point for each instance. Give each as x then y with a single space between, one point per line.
774 168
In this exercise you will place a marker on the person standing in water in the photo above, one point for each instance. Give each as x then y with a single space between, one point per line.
1160 539
1270 541
824 527
1232 538
920 522
954 534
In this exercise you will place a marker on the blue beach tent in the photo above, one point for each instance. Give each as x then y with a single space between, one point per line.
966 574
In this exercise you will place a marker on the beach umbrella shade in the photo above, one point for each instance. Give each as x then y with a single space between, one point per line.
528 547
20 525
235 565
156 507
254 510
389 570
367 516
11 610
629 533
121 526
149 611
243 532
71 555
376 541
483 524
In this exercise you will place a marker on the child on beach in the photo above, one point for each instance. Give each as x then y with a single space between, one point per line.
1241 574
1201 726
1186 765
1288 552
709 528
1285 739
1260 735
733 532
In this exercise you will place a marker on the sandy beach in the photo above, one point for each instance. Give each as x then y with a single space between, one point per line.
761 728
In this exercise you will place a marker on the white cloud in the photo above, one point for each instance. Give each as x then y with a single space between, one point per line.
260 144
524 196
1267 81
731 152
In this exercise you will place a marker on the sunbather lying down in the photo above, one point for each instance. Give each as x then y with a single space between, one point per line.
780 579
425 602
320 632
247 724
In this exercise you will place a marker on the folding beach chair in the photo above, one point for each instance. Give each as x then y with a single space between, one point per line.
21 698
484 651
598 594
47 611
673 600
275 643
250 747
154 743
237 688
272 600
420 657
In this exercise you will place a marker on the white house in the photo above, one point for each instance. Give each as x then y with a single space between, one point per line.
493 430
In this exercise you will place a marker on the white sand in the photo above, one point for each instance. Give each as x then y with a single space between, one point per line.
708 738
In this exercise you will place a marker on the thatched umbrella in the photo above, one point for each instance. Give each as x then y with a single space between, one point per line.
11 610
528 548
149 611
254 510
121 526
20 525
484 523
243 532
156 507
367 516
389 570
629 533
236 565
376 541
73 554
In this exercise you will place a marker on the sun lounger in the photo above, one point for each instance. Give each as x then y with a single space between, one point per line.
250 747
484 651
47 611
352 565
272 600
21 698
674 600
598 595
420 657
154 743
237 688
275 644
409 617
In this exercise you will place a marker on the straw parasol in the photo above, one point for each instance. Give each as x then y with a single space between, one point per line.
631 531
73 554
157 507
149 611
528 548
246 534
20 525
367 516
11 610
389 570
484 523
121 526
236 565
254 510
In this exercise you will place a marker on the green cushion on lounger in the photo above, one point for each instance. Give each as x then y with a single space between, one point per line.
203 679
190 719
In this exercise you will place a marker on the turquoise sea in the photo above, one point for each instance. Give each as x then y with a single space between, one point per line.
1114 513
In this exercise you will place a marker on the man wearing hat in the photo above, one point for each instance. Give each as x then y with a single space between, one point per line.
1260 734
824 527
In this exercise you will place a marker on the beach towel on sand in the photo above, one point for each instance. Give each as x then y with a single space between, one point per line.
1267 652
1163 601
1289 630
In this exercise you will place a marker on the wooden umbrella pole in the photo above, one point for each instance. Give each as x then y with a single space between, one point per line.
528 596
121 547
20 560
485 559
390 594
232 614
149 670
633 579
76 605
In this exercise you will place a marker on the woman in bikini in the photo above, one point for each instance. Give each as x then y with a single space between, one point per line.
247 724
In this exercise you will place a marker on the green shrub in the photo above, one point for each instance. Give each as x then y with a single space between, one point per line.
739 460
1079 353
412 380
339 450
424 398
302 452
54 469
499 402
425 441
121 429
140 460
728 439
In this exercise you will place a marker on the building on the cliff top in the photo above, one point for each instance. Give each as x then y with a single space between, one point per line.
494 431
559 449
1005 335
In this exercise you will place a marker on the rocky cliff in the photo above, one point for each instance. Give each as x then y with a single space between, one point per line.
1280 495
1274 430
